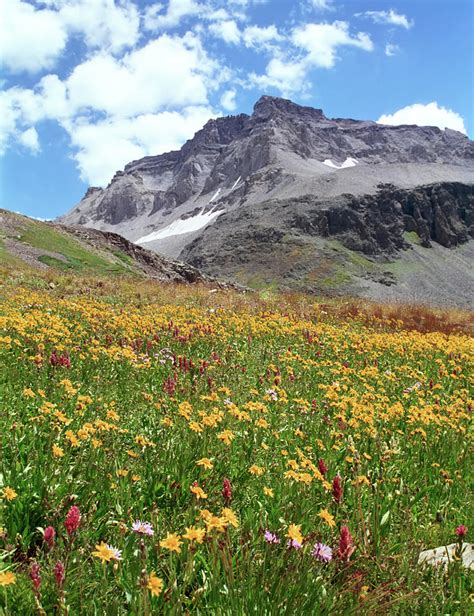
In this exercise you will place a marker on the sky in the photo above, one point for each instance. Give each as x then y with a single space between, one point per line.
90 85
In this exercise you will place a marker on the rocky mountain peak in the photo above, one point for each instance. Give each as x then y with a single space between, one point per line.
268 106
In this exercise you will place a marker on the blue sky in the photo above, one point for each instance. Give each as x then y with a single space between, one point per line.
89 85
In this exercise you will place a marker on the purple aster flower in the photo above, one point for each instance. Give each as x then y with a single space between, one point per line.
117 554
142 528
271 537
292 543
322 552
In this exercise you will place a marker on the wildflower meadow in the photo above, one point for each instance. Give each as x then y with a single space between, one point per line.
187 450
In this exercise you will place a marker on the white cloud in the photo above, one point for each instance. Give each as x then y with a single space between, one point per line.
228 100
257 37
103 147
228 31
168 71
322 5
103 23
425 115
157 19
321 41
29 138
284 75
390 17
391 49
30 39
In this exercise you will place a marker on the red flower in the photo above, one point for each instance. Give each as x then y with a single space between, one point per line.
323 469
346 545
72 520
35 576
59 573
461 531
337 489
227 491
49 535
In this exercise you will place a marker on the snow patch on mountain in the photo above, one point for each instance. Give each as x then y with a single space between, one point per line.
349 162
180 226
215 195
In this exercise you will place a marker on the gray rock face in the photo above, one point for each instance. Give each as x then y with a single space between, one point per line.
242 156
244 184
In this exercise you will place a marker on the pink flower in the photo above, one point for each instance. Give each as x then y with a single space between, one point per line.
35 576
49 535
271 537
227 491
337 489
72 520
142 528
59 573
322 552
346 545
461 531
293 544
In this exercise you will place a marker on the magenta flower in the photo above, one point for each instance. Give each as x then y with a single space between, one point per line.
346 545
35 576
143 528
59 573
227 491
293 544
337 489
49 535
322 552
271 537
73 518
461 531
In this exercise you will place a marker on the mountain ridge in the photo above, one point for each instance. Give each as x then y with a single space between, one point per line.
282 153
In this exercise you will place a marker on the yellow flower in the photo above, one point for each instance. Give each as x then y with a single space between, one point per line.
205 462
327 517
29 393
155 584
171 543
57 451
294 533
104 552
198 492
230 517
7 578
256 470
195 534
268 492
9 493
195 426
226 436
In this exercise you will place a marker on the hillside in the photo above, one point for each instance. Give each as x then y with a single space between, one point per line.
27 244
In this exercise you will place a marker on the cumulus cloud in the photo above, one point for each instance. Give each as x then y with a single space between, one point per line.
322 5
390 17
321 41
284 75
425 115
29 138
103 147
391 49
228 100
158 18
313 46
43 37
137 83
227 30
257 37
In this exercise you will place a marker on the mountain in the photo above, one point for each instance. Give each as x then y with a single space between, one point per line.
288 196
26 243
